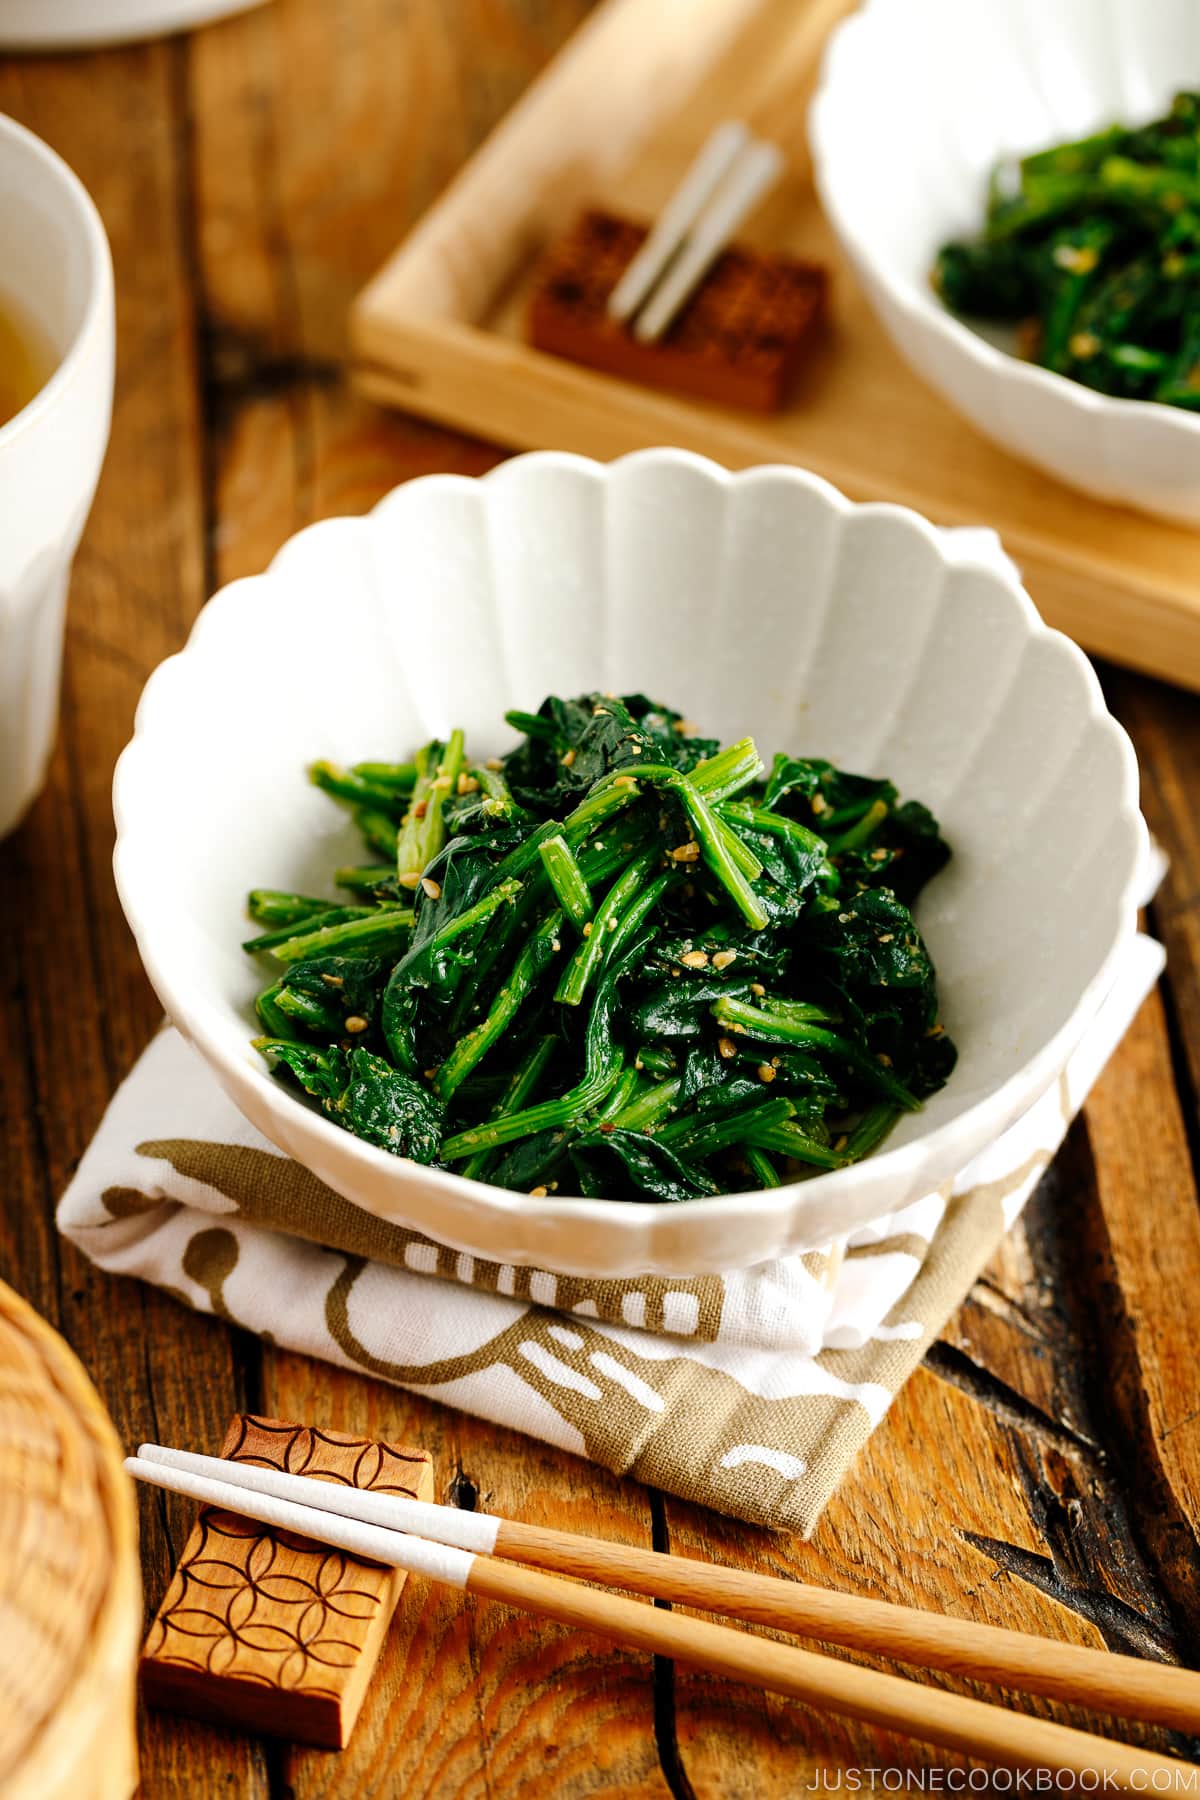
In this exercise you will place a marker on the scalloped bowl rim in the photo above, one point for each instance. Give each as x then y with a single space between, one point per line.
948 1148
918 306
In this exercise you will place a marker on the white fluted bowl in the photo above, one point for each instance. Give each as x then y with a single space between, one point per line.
761 603
917 100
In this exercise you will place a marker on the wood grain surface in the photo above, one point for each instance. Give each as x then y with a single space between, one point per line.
1042 1470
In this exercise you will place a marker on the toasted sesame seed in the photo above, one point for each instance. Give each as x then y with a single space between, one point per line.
493 763
607 1127
587 930
430 1073
1083 344
537 1193
723 958
555 944
333 980
420 808
695 959
612 924
726 1048
685 728
880 854
886 937
739 1029
467 784
766 1072
757 989
432 888
1079 259
356 1022
936 1031
442 781
624 781
842 1142
689 852
409 879
567 759
820 804
881 1056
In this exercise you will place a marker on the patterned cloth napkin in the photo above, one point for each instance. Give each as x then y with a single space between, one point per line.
750 1392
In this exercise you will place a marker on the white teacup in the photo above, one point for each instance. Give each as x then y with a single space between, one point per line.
55 271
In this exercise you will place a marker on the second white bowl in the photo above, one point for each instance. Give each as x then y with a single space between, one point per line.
918 99
760 603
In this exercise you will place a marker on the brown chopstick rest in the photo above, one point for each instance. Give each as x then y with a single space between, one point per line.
268 1630
739 341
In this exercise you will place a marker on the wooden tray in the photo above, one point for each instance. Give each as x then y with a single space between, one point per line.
615 119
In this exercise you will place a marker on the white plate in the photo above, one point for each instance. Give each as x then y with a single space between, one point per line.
80 24
760 602
917 100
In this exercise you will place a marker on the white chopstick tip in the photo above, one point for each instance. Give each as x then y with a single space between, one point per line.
685 255
476 1532
722 148
375 1543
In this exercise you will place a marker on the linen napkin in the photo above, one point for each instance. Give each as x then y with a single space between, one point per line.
750 1392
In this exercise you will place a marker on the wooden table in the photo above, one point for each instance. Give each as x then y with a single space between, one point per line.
1042 1470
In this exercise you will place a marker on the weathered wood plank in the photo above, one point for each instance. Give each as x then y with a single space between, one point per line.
323 132
77 1008
1164 724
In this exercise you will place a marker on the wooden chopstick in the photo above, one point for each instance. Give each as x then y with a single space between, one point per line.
1126 1685
931 1714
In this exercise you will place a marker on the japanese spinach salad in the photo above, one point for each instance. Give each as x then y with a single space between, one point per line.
618 962
1092 249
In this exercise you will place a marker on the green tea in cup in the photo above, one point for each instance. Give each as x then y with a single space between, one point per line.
26 360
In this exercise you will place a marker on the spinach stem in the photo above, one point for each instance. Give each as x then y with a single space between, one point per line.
385 927
273 906
603 1062
567 880
469 1050
524 1081
775 1027
282 934
787 1139
652 1104
423 832
356 787
592 948
698 1138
